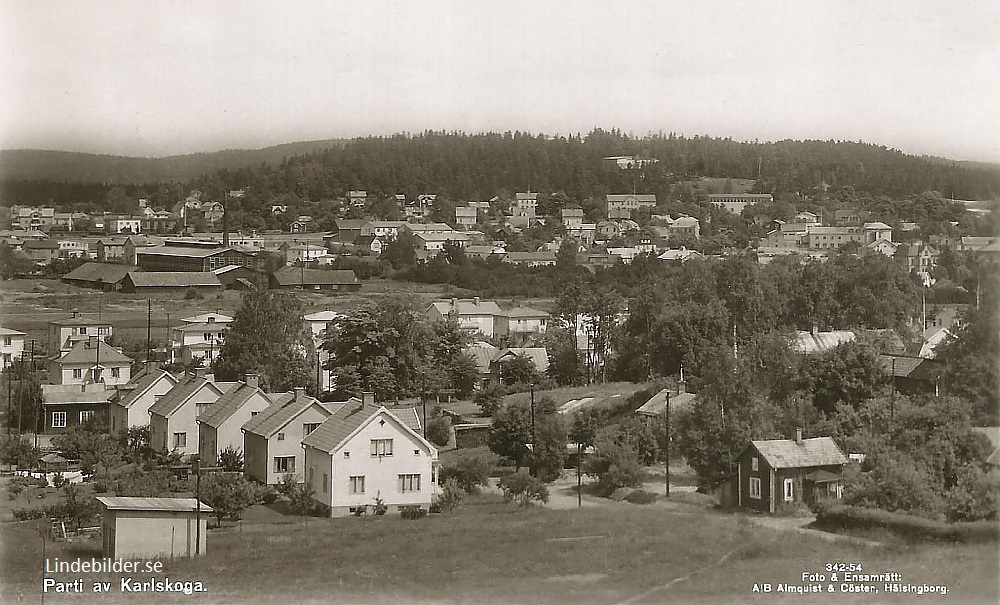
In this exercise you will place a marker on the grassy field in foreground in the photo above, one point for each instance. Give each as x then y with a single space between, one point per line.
493 554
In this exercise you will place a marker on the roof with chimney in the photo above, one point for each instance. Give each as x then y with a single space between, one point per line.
229 404
181 393
466 307
206 317
86 352
142 383
285 408
94 392
789 453
346 421
819 342
79 320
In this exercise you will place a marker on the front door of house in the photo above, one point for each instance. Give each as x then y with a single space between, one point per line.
789 490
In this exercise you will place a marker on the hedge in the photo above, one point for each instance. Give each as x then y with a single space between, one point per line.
835 517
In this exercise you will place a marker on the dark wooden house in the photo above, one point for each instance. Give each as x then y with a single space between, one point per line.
775 472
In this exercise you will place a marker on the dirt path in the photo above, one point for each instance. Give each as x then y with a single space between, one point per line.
798 524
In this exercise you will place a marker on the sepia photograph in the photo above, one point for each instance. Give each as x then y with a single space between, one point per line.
499 303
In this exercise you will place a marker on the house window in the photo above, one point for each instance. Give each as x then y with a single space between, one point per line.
78 373
7 341
284 464
309 427
409 483
85 416
358 485
281 436
755 488
208 336
252 414
102 331
180 439
789 490
381 447
416 452
115 372
754 465
82 331
347 454
58 420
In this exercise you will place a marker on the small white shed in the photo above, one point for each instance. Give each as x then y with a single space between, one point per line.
153 527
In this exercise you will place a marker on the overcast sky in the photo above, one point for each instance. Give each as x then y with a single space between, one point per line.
158 78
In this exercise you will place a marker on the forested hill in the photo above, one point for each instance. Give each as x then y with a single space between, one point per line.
461 166
68 166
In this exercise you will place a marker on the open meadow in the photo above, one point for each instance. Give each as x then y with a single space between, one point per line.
488 552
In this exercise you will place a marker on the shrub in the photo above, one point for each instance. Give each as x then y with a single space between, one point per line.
640 496
412 513
380 507
522 489
975 497
836 516
470 470
287 484
231 459
451 496
439 431
615 466
192 293
27 514
42 481
268 495
58 480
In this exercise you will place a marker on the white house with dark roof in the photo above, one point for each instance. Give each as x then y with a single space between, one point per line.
64 334
471 314
173 419
364 452
221 424
130 406
272 439
199 337
620 206
91 360
521 320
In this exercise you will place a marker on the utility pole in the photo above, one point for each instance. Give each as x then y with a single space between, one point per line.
892 394
7 377
534 445
34 410
666 416
20 395
149 330
197 509
579 476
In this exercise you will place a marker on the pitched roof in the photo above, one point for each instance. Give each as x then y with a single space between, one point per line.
143 384
204 317
548 257
228 404
76 393
808 343
79 321
153 504
352 416
467 307
284 409
786 453
293 276
539 356
189 251
83 352
524 312
98 273
656 404
9 332
173 279
640 197
181 393
340 425
905 366
482 354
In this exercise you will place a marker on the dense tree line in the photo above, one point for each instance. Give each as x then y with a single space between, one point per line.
459 166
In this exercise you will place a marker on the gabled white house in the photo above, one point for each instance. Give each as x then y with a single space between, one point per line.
272 440
475 314
173 418
11 346
91 361
362 453
220 426
131 405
